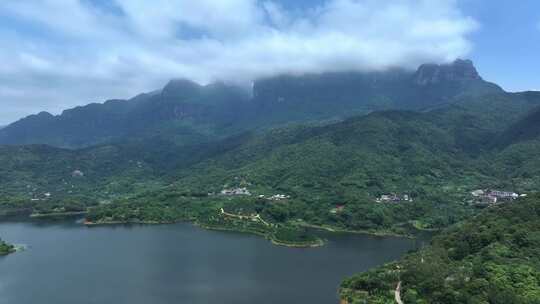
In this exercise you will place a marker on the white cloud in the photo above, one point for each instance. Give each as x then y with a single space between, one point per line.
64 53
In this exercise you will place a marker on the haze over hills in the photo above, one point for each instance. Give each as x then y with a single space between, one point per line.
187 113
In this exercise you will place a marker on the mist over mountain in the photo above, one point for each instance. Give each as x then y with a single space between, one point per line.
116 49
194 112
186 112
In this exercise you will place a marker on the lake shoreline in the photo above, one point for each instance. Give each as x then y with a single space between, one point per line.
269 235
364 232
38 215
317 243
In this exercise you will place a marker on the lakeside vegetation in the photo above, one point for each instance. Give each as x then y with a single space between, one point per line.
220 213
491 258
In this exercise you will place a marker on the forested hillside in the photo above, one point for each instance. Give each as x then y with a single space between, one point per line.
490 258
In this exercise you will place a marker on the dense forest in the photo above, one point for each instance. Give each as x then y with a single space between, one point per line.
490 258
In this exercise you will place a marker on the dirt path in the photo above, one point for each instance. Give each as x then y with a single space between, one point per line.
246 217
397 293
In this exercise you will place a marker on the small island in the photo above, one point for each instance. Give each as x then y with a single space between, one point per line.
6 248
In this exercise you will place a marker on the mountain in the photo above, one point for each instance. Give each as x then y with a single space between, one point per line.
491 258
187 113
301 175
182 111
336 95
384 151
460 70
435 156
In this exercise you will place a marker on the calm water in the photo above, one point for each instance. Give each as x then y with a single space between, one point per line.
69 263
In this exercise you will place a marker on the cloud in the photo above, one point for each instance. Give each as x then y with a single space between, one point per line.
65 53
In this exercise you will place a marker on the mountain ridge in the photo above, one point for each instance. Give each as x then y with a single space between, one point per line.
208 112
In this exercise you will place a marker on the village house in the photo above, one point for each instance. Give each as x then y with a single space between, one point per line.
77 173
338 209
489 197
393 198
279 197
477 193
503 194
486 200
235 191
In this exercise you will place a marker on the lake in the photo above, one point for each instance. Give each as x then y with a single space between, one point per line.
66 262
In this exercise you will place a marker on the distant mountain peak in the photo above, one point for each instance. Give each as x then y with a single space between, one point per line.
44 114
180 89
458 70
41 116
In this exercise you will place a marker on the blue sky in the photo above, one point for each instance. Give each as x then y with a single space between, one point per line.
507 44
58 54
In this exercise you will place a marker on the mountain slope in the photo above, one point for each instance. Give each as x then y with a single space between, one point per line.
40 177
435 156
526 129
491 258
393 146
439 153
337 95
183 111
188 113
350 164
